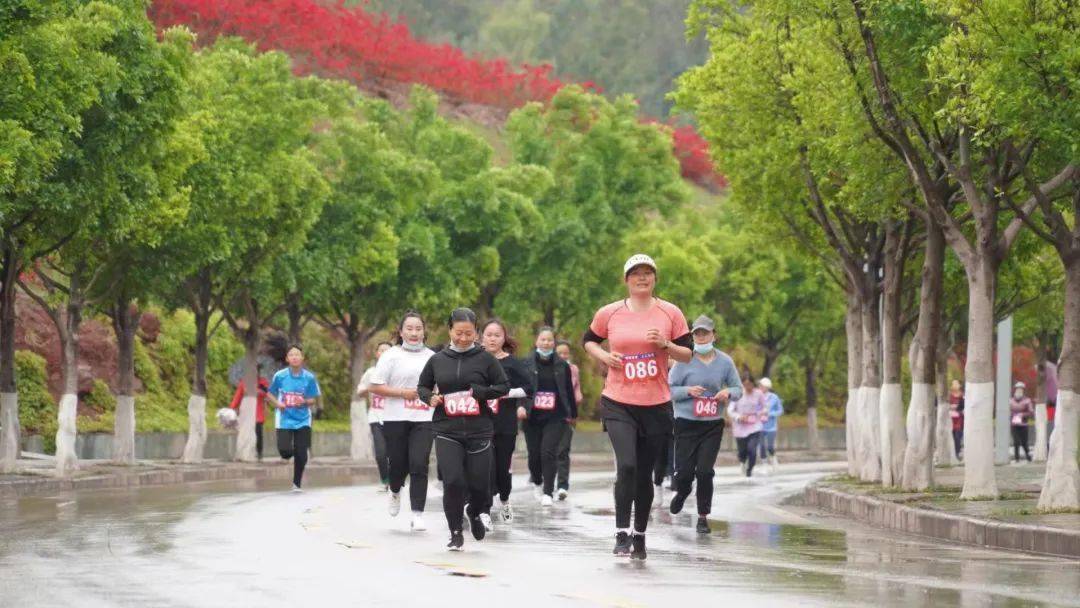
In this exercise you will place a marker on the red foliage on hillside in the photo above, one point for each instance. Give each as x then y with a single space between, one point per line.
368 49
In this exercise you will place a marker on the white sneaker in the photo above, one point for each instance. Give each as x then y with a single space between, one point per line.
538 491
546 501
296 489
418 522
563 493
394 507
382 489
658 495
742 467
507 513
486 520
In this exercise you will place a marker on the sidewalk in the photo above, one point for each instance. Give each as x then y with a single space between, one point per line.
39 477
1011 522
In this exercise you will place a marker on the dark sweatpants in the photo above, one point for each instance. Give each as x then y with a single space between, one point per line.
543 443
563 475
381 460
696 445
466 467
408 447
502 480
748 447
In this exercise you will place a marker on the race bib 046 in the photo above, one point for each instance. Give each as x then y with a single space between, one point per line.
706 407
461 403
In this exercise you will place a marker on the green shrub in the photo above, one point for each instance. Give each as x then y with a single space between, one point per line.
101 398
37 408
329 360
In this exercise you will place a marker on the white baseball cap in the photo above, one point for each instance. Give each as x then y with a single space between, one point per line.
638 259
766 383
1019 385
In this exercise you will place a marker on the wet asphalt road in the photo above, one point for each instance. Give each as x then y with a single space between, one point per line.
253 544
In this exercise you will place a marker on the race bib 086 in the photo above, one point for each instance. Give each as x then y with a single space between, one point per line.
640 368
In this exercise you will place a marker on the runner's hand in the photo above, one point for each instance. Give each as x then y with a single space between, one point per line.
614 360
654 337
410 394
522 413
436 400
696 391
572 421
723 395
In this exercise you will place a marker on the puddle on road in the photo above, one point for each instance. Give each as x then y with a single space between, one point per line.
454 569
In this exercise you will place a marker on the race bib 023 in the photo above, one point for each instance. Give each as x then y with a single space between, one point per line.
544 401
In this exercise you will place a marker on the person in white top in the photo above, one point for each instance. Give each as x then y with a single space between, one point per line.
374 418
406 420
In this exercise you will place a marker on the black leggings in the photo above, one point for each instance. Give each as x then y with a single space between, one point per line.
563 476
408 447
696 445
543 443
748 447
958 441
258 438
665 462
295 443
379 442
501 479
637 434
466 469
1020 438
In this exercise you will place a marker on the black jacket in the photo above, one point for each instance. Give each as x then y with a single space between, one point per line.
564 385
506 422
450 371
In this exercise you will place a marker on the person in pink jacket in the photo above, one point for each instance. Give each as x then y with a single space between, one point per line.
747 417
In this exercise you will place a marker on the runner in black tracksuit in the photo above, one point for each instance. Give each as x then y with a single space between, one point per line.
465 376
551 405
496 339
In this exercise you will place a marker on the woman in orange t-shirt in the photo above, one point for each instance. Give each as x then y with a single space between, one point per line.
642 332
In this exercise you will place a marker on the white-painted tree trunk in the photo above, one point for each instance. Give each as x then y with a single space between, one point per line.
362 449
812 438
851 427
245 431
919 455
979 478
1061 486
66 458
9 441
945 446
124 430
870 441
196 439
893 434
1040 433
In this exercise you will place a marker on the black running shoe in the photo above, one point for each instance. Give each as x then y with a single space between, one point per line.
639 547
676 504
457 541
703 526
622 544
477 527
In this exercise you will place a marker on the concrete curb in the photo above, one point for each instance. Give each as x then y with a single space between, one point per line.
177 474
945 526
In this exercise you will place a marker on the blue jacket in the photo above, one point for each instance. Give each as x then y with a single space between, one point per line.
776 409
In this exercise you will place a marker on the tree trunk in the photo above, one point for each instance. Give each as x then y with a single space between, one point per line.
979 477
361 448
944 445
893 436
1041 443
1061 487
296 319
125 322
196 439
810 368
921 416
770 360
853 331
67 320
871 386
9 396
245 433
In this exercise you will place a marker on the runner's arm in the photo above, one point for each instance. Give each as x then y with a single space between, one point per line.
732 382
499 386
677 381
425 387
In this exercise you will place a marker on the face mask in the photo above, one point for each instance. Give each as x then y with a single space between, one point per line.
703 349
1019 394
413 348
458 349
545 352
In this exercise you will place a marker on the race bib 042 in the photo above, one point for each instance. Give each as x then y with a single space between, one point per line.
461 403
493 405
